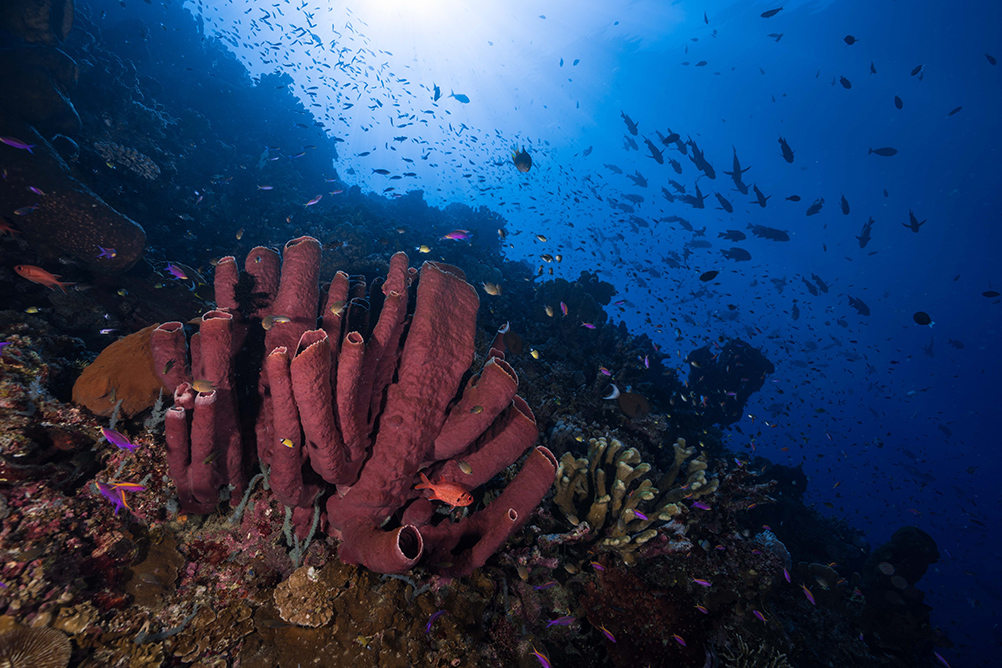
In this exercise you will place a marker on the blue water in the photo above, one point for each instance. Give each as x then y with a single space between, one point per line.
908 432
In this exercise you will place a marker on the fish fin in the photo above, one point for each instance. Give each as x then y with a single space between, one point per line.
425 483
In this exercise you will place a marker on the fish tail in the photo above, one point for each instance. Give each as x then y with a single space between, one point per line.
425 483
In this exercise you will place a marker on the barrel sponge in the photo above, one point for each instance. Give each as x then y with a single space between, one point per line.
125 367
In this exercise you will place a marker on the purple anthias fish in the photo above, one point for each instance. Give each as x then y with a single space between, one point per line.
109 253
17 143
176 271
115 492
700 505
3 344
640 514
561 621
117 439
458 235
431 620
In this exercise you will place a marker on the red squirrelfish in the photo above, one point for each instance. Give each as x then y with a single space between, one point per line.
40 276
447 492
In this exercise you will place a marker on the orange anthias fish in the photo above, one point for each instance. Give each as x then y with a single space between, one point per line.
39 275
447 492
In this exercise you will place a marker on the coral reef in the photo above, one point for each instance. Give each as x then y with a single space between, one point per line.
34 647
323 392
69 220
129 158
721 382
606 496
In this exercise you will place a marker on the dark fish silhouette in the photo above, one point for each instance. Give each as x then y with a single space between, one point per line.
821 284
700 161
845 82
859 305
770 233
630 125
886 151
916 70
637 179
845 206
459 97
787 151
586 152
922 318
991 58
775 35
630 144
668 195
736 254
954 111
897 102
913 223
873 68
849 40
793 198
732 235
864 236
655 152
760 199
696 201
676 165
438 93
709 275
724 204
736 174
810 287
815 207
770 13
612 168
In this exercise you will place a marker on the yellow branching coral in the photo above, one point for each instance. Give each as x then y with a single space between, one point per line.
136 162
607 488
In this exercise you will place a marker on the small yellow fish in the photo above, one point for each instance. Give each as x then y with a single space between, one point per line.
122 292
168 366
271 320
477 409
541 237
424 248
549 310
32 309
559 258
534 353
211 458
203 386
287 442
240 234
492 288
337 308
523 572
465 467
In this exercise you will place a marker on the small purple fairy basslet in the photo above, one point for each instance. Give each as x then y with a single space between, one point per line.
17 143
561 621
117 439
109 253
702 583
431 620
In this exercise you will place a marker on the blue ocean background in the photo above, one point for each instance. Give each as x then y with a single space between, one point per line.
895 423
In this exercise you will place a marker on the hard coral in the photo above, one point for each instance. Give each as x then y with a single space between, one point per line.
34 648
621 508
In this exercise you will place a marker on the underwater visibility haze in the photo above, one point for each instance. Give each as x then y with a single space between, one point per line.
428 333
